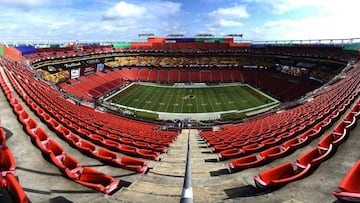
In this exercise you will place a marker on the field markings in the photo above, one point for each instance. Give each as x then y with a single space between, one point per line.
215 99
218 99
154 100
168 102
210 106
200 101
235 97
128 99
148 97
194 92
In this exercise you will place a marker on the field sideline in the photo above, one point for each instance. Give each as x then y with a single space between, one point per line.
191 99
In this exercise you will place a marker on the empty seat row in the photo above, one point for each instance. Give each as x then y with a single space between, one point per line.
54 152
283 124
307 162
83 117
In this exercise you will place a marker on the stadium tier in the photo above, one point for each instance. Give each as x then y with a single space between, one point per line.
87 116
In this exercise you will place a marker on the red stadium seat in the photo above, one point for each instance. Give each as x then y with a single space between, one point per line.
72 167
115 146
158 148
251 148
55 151
24 117
31 128
63 132
274 152
280 175
246 162
99 181
350 120
221 147
7 161
97 139
340 133
295 143
134 164
2 137
314 157
126 149
87 148
73 140
230 153
106 156
149 154
15 190
349 187
42 138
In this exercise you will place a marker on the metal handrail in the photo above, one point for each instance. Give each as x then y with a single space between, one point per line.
187 192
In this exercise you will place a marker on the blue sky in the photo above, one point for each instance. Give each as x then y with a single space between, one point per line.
123 20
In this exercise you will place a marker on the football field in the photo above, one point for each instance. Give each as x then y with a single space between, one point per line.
191 99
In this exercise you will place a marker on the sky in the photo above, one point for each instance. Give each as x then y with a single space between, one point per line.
123 20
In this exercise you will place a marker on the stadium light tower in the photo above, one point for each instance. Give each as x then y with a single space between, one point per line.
146 35
175 35
204 35
235 36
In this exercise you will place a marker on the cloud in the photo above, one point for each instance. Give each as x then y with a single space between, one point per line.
230 23
312 27
284 6
142 10
27 4
230 13
226 19
125 10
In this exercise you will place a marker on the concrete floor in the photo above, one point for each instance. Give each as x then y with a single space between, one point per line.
43 182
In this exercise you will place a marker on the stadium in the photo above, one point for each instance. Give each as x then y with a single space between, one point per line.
180 118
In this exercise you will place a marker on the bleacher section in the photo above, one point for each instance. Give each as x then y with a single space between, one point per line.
253 136
282 147
84 129
93 86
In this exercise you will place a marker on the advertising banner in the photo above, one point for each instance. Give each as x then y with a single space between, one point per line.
1 50
75 73
87 70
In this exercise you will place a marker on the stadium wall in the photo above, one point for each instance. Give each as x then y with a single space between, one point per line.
13 53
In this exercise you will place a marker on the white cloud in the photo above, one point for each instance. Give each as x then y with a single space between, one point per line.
125 10
142 10
230 23
24 4
226 19
284 6
230 12
306 19
313 27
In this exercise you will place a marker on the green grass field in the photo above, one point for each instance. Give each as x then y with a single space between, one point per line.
190 100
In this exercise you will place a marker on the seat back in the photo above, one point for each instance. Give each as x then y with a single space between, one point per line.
107 153
7 161
55 148
307 157
350 182
93 176
71 163
278 172
15 190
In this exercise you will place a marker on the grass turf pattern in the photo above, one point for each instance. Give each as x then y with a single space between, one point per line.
191 99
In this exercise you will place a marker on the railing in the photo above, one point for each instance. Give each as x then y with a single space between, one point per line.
187 193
